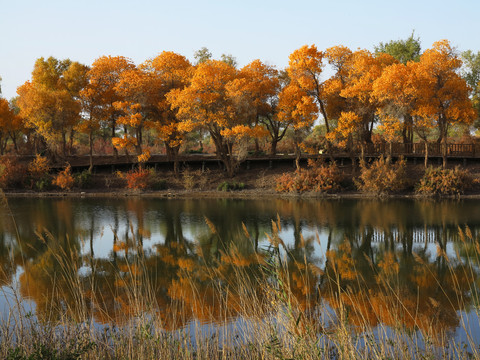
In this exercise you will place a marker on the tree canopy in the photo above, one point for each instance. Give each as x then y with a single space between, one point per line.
397 90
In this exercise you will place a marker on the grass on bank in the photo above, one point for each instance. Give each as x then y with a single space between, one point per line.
377 177
273 304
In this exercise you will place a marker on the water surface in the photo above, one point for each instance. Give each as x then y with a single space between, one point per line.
414 246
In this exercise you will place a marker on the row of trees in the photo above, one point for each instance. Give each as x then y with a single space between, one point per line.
397 90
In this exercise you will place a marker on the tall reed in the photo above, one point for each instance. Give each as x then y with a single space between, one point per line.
224 303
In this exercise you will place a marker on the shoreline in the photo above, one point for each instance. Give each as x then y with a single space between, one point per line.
249 194
258 183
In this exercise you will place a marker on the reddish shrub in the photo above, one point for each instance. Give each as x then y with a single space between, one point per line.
12 173
138 179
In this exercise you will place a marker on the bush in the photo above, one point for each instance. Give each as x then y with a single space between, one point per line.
64 180
195 179
39 172
12 173
156 183
138 179
317 177
143 179
42 184
226 186
382 176
84 179
39 167
438 181
188 180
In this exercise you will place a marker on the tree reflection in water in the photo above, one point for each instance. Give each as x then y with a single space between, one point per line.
384 263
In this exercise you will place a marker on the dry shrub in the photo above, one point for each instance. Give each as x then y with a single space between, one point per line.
318 177
197 179
438 181
12 173
65 180
382 176
188 180
265 181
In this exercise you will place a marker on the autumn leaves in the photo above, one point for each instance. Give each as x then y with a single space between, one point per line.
170 96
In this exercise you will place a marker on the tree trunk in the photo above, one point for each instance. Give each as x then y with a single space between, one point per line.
426 154
3 145
138 144
444 152
273 147
64 143
407 133
115 151
229 159
352 155
298 154
70 146
224 152
90 143
13 136
324 114
172 154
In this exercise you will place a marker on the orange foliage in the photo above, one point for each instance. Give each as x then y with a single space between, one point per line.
12 173
9 123
39 167
49 102
168 71
358 76
438 181
382 176
443 94
304 69
64 180
320 178
138 179
206 104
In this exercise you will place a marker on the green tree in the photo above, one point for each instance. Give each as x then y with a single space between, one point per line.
229 59
402 50
471 74
202 55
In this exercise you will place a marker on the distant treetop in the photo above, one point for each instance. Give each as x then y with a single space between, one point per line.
402 50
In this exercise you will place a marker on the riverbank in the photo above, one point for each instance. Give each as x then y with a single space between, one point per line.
251 183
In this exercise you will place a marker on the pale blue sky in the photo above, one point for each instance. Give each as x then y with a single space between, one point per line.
268 30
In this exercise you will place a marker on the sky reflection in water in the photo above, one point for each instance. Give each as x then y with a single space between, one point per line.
378 236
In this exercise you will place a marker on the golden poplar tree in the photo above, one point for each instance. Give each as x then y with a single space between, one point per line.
101 94
205 104
50 104
255 91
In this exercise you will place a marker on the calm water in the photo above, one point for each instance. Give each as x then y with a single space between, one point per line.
178 237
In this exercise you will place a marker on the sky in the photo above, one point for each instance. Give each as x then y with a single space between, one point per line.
268 30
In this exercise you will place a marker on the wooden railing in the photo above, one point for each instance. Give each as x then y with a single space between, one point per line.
434 149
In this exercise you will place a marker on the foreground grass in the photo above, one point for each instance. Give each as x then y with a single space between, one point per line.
272 303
